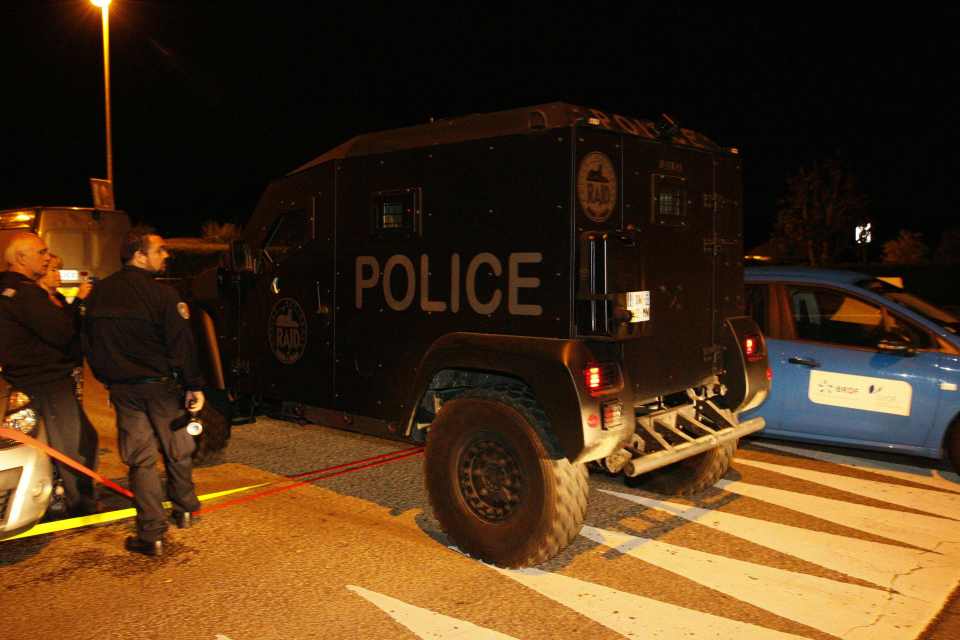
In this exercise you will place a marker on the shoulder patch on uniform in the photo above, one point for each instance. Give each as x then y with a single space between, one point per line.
9 293
183 310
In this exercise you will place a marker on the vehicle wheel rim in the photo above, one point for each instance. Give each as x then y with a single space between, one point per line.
490 480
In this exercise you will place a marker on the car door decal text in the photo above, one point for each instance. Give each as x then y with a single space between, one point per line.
883 395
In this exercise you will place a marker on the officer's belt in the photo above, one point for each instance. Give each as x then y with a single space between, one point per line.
146 380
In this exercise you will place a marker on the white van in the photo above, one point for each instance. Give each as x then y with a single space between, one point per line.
87 239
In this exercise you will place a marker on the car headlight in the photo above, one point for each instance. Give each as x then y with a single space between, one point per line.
20 415
24 421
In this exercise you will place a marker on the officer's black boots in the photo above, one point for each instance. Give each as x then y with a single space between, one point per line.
136 545
184 519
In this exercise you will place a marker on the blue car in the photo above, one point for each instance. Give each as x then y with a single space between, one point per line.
857 362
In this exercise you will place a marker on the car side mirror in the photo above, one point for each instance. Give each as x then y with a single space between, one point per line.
896 346
240 258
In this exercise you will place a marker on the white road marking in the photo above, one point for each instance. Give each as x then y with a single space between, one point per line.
838 608
919 530
932 477
912 572
424 623
935 502
636 616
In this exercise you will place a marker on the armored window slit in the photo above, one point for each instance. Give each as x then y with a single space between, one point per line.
669 206
396 213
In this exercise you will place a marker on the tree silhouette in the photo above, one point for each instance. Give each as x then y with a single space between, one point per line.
816 217
907 248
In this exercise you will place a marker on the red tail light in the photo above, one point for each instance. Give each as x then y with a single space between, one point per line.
594 378
753 347
602 378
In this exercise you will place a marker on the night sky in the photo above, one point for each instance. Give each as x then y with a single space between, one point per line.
212 100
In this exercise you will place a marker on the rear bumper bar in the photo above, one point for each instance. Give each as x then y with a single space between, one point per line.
658 426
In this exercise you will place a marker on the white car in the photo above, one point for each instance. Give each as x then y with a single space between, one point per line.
26 473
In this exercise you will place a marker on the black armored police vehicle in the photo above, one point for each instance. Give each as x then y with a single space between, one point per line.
527 292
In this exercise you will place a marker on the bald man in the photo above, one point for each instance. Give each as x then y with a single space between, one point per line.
39 348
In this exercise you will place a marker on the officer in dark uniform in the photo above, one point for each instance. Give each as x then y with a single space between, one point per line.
39 348
139 343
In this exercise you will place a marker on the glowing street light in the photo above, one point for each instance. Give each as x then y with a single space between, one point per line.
104 6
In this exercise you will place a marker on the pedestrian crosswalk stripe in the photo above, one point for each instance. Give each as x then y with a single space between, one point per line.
920 475
935 502
912 572
424 623
843 609
918 530
636 616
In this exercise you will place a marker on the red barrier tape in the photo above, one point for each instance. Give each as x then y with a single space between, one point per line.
311 476
13 434
355 462
320 474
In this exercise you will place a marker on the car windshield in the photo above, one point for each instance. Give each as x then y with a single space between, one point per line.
916 304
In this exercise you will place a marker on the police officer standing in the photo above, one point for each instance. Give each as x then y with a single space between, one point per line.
39 349
140 345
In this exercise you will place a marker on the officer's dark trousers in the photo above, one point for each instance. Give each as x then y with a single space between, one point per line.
70 433
144 415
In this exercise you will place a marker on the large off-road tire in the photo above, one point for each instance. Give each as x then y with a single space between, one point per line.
688 477
497 482
216 434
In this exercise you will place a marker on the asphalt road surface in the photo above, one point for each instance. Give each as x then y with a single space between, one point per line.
793 543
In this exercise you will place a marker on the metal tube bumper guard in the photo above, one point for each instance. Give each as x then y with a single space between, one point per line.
660 429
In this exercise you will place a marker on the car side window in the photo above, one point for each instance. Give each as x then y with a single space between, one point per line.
756 304
832 316
293 230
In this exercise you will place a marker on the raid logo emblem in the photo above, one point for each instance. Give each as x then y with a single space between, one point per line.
287 331
597 186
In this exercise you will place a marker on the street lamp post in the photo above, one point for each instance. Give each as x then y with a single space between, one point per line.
105 15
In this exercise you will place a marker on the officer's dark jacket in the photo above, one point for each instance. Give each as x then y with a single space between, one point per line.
38 340
134 328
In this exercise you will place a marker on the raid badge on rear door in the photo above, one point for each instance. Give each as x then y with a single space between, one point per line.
597 186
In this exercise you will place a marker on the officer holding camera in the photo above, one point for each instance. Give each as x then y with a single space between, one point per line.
38 350
139 343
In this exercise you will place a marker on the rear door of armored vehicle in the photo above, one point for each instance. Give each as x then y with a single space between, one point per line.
665 237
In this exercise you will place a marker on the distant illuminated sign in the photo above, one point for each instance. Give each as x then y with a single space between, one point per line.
863 234
102 193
